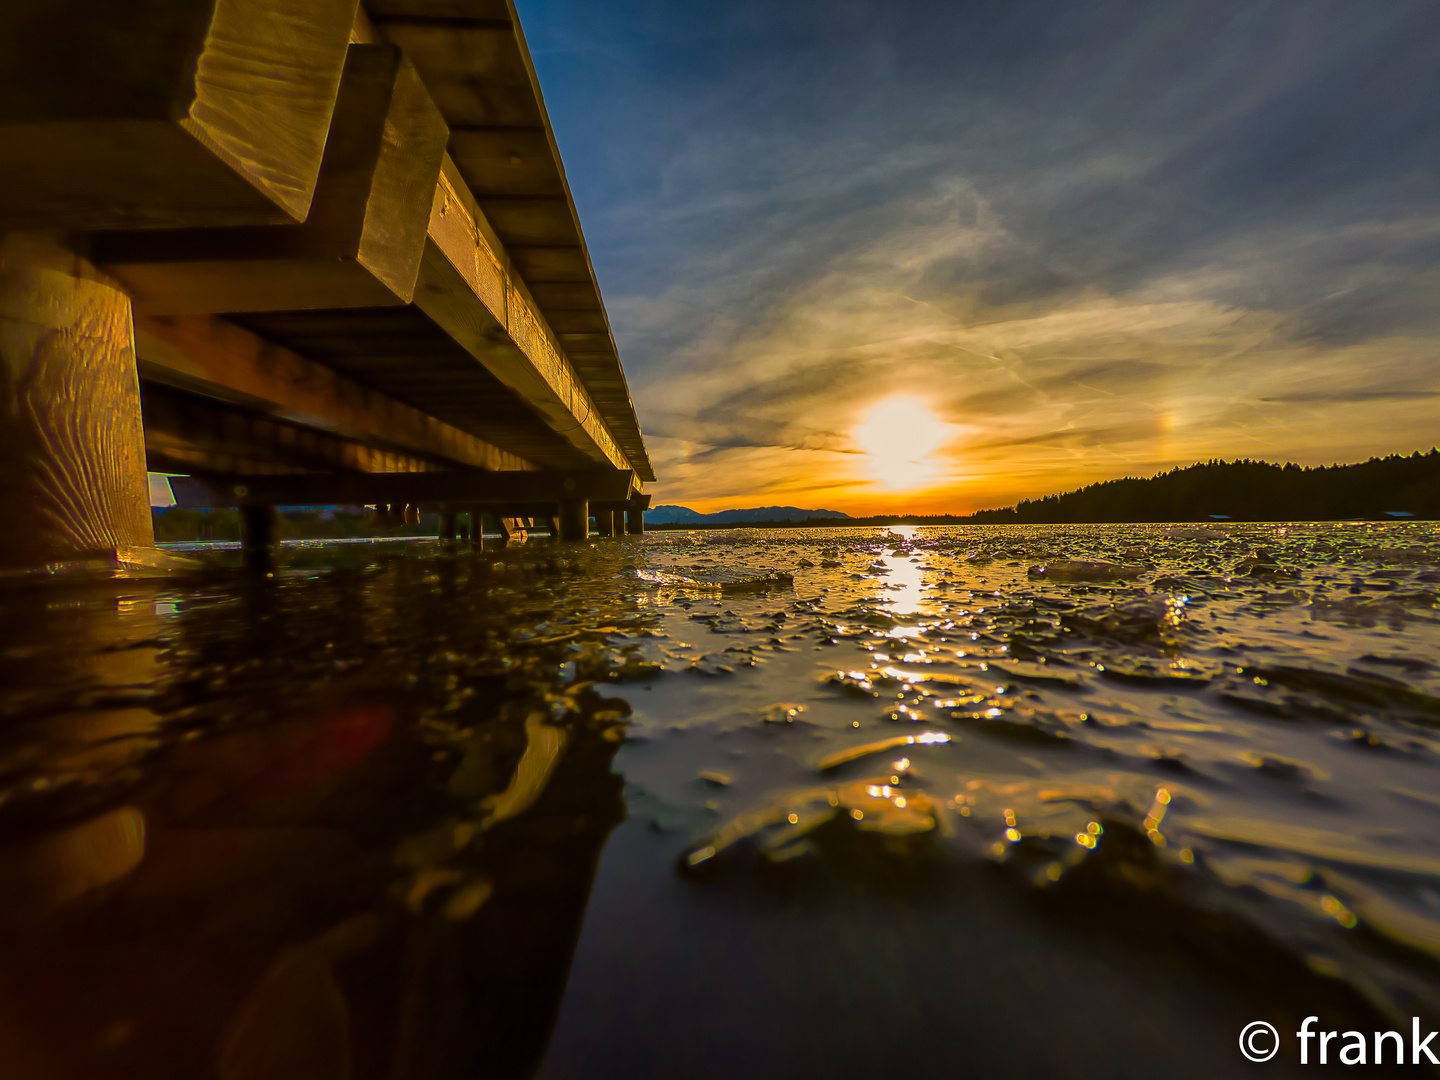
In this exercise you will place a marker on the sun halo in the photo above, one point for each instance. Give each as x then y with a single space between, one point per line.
899 436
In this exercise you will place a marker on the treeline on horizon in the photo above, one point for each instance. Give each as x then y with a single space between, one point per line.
1242 490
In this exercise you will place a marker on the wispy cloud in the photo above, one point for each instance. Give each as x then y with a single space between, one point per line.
1096 239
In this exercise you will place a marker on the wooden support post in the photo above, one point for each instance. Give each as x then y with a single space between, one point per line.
72 445
604 523
617 522
575 520
635 522
447 523
259 534
554 522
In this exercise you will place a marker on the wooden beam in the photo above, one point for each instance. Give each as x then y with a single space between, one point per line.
503 148
166 113
634 501
467 288
321 489
361 244
185 433
211 356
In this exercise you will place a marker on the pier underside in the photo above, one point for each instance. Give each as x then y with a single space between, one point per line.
368 284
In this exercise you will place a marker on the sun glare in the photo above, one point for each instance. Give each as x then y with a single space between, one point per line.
900 436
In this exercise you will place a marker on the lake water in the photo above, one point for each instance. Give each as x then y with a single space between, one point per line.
936 802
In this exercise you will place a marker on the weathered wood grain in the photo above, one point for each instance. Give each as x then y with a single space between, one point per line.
72 448
472 486
216 358
473 58
188 432
361 244
165 112
466 288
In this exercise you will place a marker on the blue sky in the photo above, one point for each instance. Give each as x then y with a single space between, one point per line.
1072 240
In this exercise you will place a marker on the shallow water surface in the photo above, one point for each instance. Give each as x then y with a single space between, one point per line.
1063 801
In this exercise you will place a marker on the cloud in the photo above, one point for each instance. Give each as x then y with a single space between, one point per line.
1348 396
1049 392
1098 239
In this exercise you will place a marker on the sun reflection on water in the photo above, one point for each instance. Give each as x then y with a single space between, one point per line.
904 582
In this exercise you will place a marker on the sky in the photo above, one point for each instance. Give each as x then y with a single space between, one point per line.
914 256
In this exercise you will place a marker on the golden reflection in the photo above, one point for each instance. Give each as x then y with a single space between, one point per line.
900 436
542 752
70 863
903 586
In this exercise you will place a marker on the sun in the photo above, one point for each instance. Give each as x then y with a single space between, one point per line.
900 436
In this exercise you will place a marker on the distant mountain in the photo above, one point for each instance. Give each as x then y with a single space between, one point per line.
683 515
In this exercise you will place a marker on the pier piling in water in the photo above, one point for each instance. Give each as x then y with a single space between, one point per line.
72 444
259 534
574 520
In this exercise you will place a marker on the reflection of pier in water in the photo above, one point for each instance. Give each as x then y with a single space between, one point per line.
302 252
272 861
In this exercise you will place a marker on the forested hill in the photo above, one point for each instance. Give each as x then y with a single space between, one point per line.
1396 486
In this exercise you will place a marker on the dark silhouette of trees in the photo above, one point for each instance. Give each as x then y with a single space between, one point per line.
1246 491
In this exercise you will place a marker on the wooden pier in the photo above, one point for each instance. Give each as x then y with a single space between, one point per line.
302 252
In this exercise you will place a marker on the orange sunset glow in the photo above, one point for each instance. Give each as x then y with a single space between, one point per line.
900 438
1076 292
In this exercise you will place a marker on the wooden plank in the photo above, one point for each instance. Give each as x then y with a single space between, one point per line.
521 220
474 72
576 320
318 489
473 58
207 355
564 295
166 113
510 158
467 289
412 10
72 451
360 246
405 355
634 499
185 432
552 264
